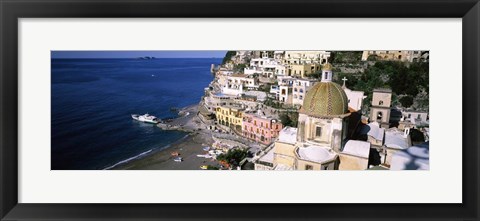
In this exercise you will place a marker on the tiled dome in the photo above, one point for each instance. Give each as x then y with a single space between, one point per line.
325 99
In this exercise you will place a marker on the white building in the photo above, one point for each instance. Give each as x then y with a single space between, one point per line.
275 89
285 94
259 95
279 55
246 81
285 80
375 134
252 70
300 88
413 158
264 66
232 89
265 162
415 117
355 98
306 57
280 69
395 140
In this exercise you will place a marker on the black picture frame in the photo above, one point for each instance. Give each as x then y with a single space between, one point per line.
12 10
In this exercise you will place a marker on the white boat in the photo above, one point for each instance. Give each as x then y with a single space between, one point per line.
178 159
147 118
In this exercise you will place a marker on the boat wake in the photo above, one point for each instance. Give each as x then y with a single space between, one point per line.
129 159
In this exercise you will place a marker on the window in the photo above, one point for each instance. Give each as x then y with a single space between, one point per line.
379 116
325 167
301 90
380 102
418 117
318 131
308 167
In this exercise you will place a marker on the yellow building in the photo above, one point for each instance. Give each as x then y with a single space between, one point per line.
395 55
230 116
302 70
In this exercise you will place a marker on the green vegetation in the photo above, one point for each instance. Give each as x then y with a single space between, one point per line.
289 118
272 103
233 157
349 57
315 75
228 56
406 101
372 57
407 79
417 136
239 67
265 87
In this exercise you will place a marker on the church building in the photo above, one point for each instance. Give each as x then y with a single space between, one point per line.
321 140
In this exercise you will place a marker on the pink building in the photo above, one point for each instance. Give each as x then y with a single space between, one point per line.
260 128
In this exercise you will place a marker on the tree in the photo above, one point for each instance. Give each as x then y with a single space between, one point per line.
239 67
228 56
341 57
416 136
265 87
372 58
406 101
233 157
286 121
289 118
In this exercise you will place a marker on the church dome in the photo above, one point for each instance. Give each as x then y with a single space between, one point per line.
327 67
325 99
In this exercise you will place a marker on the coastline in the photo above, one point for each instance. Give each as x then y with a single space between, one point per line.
188 147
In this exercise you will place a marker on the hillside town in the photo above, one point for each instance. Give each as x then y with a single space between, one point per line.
318 110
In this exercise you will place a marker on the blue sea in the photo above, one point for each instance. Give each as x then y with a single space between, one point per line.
92 100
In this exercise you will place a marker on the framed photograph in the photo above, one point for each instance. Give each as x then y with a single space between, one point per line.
239 110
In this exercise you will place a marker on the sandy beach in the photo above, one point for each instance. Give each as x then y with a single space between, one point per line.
188 147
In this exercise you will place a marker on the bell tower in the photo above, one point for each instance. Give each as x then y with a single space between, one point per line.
327 73
380 109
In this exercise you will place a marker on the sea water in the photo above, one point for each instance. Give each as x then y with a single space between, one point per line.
93 99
